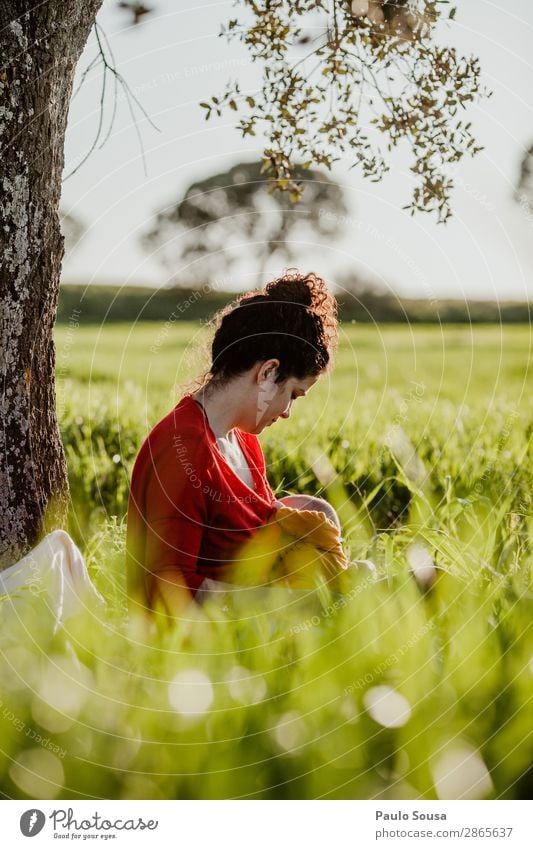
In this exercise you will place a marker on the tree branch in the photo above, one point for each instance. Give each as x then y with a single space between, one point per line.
107 62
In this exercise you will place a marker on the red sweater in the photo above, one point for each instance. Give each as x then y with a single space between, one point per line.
188 510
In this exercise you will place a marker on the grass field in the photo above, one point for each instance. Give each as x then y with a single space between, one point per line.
414 684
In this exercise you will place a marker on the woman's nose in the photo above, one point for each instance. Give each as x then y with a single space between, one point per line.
287 411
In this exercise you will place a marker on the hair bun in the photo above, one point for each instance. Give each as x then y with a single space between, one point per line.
271 323
308 290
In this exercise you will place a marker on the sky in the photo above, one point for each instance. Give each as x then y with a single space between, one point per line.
176 59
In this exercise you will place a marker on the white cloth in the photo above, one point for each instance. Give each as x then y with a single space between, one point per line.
55 568
232 451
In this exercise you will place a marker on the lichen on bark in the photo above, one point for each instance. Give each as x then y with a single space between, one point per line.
41 46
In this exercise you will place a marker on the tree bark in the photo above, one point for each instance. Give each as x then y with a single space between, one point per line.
40 45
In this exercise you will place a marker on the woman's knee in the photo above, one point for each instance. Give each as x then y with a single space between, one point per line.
312 502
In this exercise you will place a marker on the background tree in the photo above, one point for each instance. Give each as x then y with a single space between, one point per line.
362 66
72 229
235 215
524 189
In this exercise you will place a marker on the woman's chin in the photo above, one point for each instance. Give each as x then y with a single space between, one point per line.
259 426
253 428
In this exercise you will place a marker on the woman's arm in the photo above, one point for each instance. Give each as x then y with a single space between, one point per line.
167 516
173 543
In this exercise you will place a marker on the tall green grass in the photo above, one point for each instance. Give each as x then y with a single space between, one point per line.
416 683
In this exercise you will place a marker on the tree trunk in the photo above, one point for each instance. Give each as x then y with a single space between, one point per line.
40 45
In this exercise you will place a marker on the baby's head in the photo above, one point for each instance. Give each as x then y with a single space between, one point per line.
312 502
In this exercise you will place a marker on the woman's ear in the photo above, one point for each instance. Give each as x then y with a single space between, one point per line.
268 370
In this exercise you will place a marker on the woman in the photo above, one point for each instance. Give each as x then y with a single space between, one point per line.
199 489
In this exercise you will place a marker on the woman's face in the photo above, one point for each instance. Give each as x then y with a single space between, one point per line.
275 400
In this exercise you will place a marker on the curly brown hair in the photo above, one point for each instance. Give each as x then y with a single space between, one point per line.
293 319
